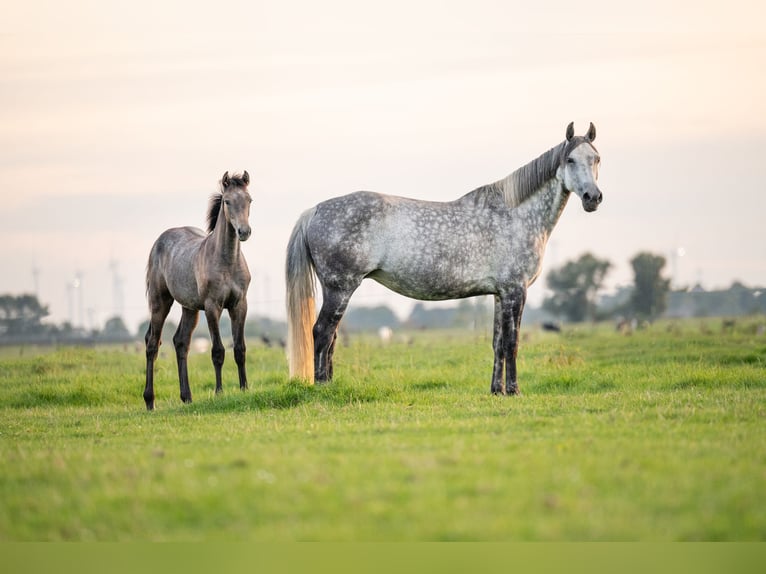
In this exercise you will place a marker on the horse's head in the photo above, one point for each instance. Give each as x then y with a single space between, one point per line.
236 203
578 171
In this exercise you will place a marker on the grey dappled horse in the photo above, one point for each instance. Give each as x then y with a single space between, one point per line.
203 272
490 241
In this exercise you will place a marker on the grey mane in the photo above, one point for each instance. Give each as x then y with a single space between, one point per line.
522 183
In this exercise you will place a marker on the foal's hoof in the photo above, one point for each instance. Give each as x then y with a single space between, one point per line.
506 392
186 400
150 405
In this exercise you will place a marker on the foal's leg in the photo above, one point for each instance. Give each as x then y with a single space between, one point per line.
497 347
333 306
512 308
238 315
159 307
181 340
213 314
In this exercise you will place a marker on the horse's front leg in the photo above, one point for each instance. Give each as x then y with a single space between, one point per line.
497 348
512 308
238 316
213 315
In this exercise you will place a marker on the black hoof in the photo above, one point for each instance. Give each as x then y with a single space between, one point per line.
149 406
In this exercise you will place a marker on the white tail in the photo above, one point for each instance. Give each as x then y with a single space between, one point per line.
301 314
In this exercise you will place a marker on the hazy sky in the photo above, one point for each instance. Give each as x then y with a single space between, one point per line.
117 119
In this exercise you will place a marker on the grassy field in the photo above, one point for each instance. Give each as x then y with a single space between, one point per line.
660 435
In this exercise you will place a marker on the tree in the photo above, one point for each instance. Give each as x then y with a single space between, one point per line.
115 328
168 330
370 318
473 313
574 287
21 315
422 317
650 292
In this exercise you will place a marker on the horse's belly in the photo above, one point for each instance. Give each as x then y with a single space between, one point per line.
183 288
431 286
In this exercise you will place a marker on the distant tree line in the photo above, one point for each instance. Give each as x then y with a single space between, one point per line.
22 322
575 296
737 300
575 288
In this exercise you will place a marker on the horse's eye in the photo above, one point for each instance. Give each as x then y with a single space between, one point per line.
226 202
570 160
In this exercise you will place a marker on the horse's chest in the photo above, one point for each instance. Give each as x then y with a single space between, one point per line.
225 288
526 258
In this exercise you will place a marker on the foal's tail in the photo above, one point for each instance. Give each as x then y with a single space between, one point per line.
299 272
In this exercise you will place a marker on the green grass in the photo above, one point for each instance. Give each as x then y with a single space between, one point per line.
655 436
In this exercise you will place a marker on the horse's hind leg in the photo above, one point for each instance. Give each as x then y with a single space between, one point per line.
330 353
159 305
499 354
218 353
333 306
238 316
181 341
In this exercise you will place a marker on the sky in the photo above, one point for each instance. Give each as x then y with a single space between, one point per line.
117 119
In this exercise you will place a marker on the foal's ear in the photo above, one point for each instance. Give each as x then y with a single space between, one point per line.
570 131
591 135
246 176
225 181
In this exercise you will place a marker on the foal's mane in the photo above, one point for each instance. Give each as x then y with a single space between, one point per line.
523 182
214 206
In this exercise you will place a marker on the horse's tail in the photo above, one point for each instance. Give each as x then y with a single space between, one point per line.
299 273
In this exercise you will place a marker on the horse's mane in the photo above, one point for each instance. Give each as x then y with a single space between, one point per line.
214 206
523 182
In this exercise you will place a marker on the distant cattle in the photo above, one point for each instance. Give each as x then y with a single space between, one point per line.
553 327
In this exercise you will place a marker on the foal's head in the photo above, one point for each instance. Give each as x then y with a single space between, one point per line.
579 167
235 201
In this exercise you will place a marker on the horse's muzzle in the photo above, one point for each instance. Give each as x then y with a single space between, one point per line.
591 200
244 234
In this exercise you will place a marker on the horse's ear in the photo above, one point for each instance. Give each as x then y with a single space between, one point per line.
246 176
591 135
570 131
225 180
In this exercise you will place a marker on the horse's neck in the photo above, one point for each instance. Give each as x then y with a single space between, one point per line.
223 241
543 208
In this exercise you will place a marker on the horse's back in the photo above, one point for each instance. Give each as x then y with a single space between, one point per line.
177 242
